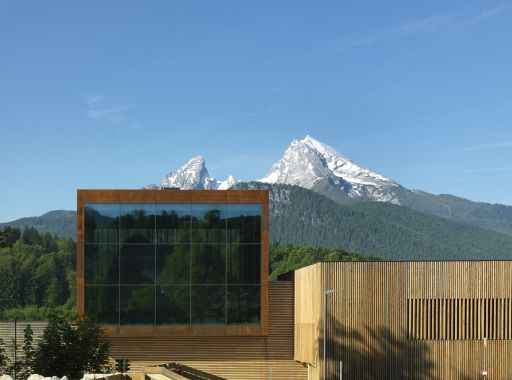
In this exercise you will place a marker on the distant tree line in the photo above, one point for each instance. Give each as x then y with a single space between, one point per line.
285 258
37 272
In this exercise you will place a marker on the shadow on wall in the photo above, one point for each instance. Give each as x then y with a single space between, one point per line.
374 353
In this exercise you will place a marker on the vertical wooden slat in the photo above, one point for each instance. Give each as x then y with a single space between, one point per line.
442 310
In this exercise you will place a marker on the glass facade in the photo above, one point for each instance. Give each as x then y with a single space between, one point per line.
173 264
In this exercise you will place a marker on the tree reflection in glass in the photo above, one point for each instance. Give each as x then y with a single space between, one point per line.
209 223
137 224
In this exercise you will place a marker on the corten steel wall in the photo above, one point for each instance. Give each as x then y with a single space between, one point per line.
177 196
406 320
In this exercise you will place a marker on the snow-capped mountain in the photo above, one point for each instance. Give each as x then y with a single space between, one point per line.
309 163
194 176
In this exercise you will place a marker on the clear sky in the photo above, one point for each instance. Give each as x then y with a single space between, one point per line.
115 94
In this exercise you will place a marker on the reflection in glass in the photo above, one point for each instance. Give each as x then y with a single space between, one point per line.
208 264
244 263
173 264
244 223
101 264
173 223
243 304
209 223
137 264
208 304
137 223
101 222
137 305
102 303
173 305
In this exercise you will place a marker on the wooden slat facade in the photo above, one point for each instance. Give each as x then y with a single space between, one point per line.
406 320
7 335
231 357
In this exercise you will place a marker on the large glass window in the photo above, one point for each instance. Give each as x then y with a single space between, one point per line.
173 304
208 304
102 303
137 264
137 224
244 223
101 264
173 223
170 264
209 223
101 223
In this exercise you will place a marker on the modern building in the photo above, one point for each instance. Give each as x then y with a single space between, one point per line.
174 262
405 320
182 276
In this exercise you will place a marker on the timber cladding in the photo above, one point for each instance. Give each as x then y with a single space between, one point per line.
177 197
230 357
405 320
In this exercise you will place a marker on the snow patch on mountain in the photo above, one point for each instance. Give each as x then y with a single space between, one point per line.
308 162
194 176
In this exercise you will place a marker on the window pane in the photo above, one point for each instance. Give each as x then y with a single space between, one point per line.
208 264
173 305
173 223
137 305
138 264
244 223
244 263
208 304
137 223
101 222
208 223
244 304
101 264
102 303
173 264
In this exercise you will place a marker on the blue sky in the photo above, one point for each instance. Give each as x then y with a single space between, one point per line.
116 94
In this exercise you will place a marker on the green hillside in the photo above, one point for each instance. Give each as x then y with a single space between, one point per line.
494 217
60 222
306 218
485 215
38 271
303 217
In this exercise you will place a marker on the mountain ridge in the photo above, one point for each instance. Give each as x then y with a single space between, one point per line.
316 166
304 217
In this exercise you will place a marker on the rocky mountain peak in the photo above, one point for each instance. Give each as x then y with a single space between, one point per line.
309 163
194 176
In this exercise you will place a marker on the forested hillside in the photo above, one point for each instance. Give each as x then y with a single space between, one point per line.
285 258
60 222
37 273
304 217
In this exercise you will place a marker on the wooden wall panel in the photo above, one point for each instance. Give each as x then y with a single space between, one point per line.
444 303
307 314
7 335
232 357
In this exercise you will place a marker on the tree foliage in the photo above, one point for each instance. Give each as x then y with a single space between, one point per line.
37 272
3 357
303 217
285 258
70 351
28 352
